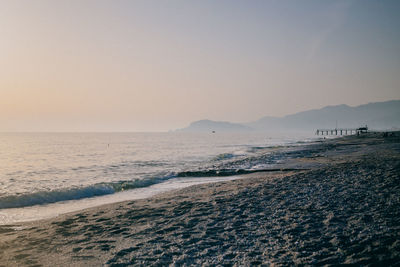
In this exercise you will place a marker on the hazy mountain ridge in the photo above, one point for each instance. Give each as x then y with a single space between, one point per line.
220 126
377 115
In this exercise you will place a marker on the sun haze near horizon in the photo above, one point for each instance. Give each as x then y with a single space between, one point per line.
158 65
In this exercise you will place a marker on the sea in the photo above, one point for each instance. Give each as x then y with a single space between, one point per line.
43 175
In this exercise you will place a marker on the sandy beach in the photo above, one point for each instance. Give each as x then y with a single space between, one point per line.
344 209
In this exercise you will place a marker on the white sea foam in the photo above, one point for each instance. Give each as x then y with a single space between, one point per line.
39 169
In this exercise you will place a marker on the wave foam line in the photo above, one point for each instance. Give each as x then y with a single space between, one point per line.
230 172
47 197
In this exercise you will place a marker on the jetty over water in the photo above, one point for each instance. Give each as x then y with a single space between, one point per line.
342 131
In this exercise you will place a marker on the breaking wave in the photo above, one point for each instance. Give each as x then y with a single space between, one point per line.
47 197
227 164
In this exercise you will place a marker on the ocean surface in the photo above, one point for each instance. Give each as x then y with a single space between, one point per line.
44 171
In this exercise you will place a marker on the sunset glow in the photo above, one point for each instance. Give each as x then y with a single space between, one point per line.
151 66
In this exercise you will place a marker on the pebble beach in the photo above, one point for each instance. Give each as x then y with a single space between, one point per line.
342 209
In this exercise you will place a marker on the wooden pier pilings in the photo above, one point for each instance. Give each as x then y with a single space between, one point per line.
342 131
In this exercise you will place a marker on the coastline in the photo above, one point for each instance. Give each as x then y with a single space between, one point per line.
220 166
343 210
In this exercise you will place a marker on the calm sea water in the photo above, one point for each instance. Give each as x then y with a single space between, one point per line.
42 168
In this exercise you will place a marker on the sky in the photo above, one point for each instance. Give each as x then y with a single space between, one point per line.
93 65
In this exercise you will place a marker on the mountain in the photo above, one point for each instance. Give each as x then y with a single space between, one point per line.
379 115
217 126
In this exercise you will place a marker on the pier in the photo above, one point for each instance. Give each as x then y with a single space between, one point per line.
342 131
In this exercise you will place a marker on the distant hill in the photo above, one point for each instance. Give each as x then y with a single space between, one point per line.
379 115
217 126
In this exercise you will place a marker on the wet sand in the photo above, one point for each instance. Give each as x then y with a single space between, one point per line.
344 210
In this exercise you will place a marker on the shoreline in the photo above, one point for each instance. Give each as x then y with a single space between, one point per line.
13 213
345 210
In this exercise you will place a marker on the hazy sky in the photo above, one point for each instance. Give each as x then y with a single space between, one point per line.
158 65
